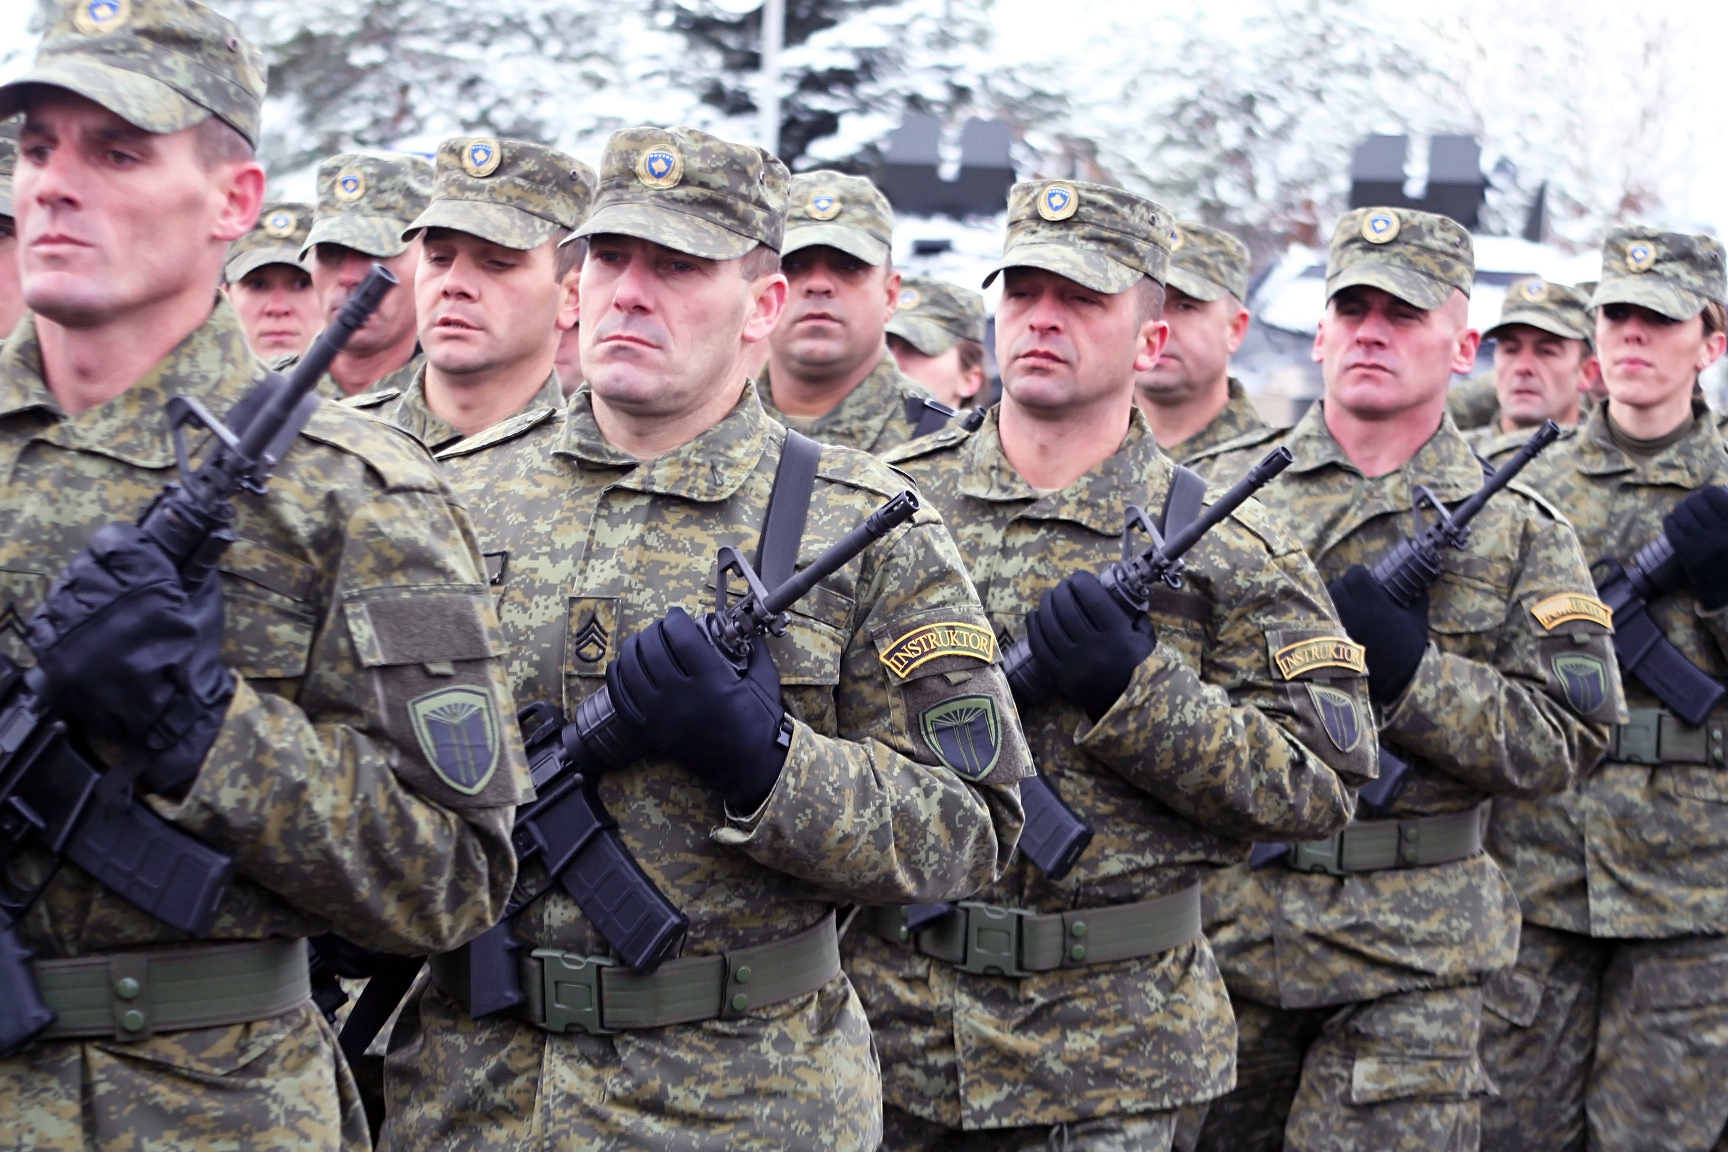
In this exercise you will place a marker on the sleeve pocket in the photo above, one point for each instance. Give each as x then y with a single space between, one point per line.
1378 1079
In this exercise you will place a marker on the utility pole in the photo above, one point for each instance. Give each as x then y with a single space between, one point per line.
773 38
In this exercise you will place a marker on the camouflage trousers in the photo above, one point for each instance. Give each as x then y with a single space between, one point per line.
1610 1044
1398 1074
1142 1132
277 1083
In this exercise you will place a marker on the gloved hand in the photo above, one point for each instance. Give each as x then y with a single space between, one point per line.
1698 529
1395 637
128 652
690 705
1087 642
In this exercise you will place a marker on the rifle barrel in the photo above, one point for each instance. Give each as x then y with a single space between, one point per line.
881 522
1257 478
1528 451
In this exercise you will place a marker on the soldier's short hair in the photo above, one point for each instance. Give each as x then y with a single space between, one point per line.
760 261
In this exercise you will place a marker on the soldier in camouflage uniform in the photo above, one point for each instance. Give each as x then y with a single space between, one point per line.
1356 963
271 286
350 608
365 202
937 337
1618 1007
1189 397
1544 365
496 292
829 372
603 521
1178 737
11 291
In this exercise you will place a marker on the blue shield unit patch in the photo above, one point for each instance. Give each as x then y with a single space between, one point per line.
458 731
1583 681
965 734
1337 716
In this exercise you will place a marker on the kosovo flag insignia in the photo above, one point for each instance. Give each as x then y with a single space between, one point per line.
458 731
1337 716
965 733
1583 681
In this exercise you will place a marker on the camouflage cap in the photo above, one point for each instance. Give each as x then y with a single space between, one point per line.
934 315
845 212
1673 273
277 238
1554 308
690 191
162 65
366 199
1100 237
8 163
1206 263
1419 257
510 192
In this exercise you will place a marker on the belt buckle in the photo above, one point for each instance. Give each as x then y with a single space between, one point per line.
992 940
1639 740
572 990
1319 855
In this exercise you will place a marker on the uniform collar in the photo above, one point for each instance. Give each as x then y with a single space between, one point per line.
709 468
417 418
1446 464
1693 461
212 365
858 419
1237 417
1099 500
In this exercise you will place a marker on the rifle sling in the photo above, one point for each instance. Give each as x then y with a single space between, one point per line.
1183 502
788 509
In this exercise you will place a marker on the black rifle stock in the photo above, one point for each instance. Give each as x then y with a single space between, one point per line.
50 794
1053 838
1643 649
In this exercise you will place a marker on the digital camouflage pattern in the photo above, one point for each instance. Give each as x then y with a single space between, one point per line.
277 238
366 199
1674 273
1485 715
1101 237
1497 447
839 211
1208 748
691 192
1419 257
8 163
1473 403
591 546
1140 1132
161 65
1239 417
1206 263
933 315
510 192
1558 309
354 590
406 408
871 418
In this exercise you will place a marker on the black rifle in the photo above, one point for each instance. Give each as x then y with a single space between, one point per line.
1643 649
1053 837
568 829
50 793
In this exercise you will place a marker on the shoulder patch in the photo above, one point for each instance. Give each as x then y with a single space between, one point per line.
1321 652
965 733
926 643
1556 610
457 729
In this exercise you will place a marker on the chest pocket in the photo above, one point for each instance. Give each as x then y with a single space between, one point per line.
20 593
270 612
1465 615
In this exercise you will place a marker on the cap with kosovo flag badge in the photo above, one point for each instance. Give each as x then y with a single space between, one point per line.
1206 263
160 65
366 199
839 211
1674 273
277 238
1557 309
1100 237
509 192
933 315
689 191
1419 257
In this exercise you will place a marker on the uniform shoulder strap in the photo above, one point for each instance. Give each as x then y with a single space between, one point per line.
788 508
1182 505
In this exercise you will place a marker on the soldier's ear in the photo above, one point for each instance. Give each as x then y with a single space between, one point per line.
241 189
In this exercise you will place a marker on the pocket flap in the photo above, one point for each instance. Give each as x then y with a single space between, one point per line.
1377 1079
392 626
1513 996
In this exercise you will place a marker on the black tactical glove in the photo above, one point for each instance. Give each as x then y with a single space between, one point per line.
129 654
1698 529
1089 645
688 704
1395 637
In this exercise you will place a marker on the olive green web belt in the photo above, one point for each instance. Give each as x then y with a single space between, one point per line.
135 995
1378 845
596 994
1657 736
991 940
